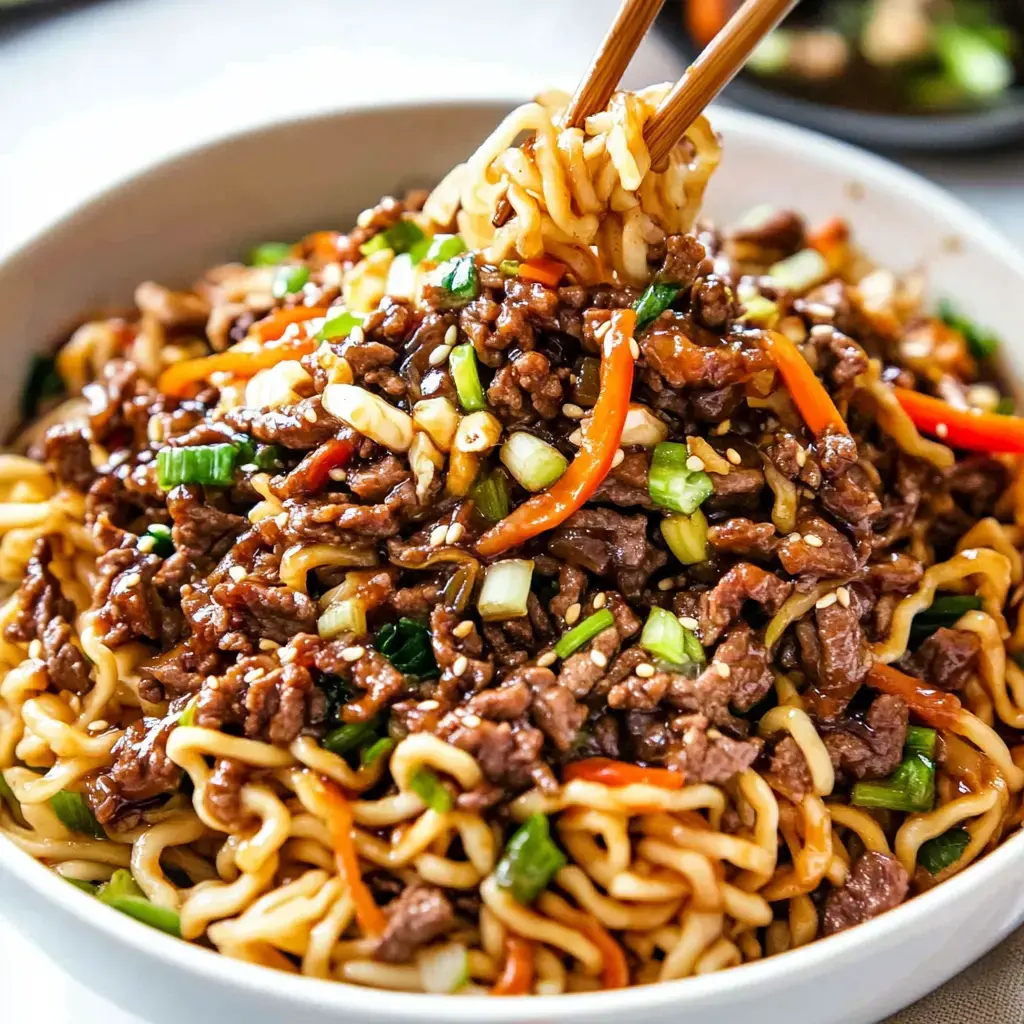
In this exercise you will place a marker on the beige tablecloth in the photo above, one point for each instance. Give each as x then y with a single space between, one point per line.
990 991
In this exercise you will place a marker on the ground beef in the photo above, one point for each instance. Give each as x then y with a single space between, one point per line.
744 582
338 522
421 914
66 452
43 613
781 233
869 747
744 537
264 611
199 527
305 424
375 481
788 771
223 792
703 756
180 671
713 302
130 605
509 753
527 381
839 658
877 883
626 484
833 557
685 259
140 776
947 659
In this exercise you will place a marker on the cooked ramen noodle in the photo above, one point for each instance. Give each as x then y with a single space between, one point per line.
533 590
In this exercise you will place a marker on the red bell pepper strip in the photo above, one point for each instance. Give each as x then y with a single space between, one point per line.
939 709
516 978
245 362
314 470
597 451
340 823
621 773
808 393
961 428
615 970
543 269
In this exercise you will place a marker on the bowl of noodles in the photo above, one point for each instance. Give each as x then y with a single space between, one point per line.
561 588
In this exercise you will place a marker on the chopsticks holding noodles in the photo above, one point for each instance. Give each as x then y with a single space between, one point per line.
713 69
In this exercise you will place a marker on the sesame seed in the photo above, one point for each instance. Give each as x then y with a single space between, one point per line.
463 629
546 659
634 348
99 725
576 437
827 601
666 584
723 669
471 721
439 355
437 535
916 348
801 457
266 644
688 622
813 540
145 544
35 649
572 411
428 705
338 475
599 659
352 653
600 600
460 665
695 463
618 458
843 596
821 331
249 467
356 336
310 415
644 670
819 309
942 430
602 329
252 675
130 579
733 456
155 429
723 428
794 538
287 654
451 335
364 218
454 533
713 734
572 613
237 573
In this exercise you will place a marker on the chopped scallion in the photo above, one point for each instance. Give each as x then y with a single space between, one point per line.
510 268
672 485
667 638
431 790
123 894
584 632
465 373
400 237
459 278
340 326
490 495
80 883
210 464
288 280
7 796
376 751
911 787
800 272
655 299
74 813
534 463
444 247
162 543
269 254
407 645
943 851
982 343
188 716
942 612
973 60
530 861
506 589
347 616
350 736
43 382
687 536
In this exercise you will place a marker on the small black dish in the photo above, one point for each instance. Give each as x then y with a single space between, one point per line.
997 126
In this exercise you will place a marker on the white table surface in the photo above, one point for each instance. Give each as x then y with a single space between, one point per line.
89 96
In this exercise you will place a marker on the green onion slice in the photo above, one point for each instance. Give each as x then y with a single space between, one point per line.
982 343
939 853
510 268
584 632
188 717
444 247
351 736
431 790
80 883
459 278
656 298
162 543
506 589
7 796
534 463
400 237
269 254
942 612
672 485
911 787
43 382
667 638
588 382
687 537
407 645
376 751
530 861
74 813
490 495
123 894
340 326
288 280
465 373
210 464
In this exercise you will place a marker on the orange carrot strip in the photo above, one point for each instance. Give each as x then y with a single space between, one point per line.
340 823
543 269
615 970
939 709
621 773
705 18
272 327
516 977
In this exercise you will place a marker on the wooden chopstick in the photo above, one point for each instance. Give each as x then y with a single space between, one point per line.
609 64
711 72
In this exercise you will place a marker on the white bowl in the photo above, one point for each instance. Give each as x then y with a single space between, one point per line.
276 182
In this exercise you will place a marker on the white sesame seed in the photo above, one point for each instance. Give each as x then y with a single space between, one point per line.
819 309
572 411
437 535
634 349
644 670
428 705
451 335
602 329
666 584
723 669
471 721
599 659
547 658
249 467
942 430
794 538
287 654
237 573
827 601
338 475
155 429
600 600
576 437
460 665
35 649
916 348
713 734
357 335
100 725
572 613
813 540
983 396
439 355
843 596
353 653
733 456
688 622
695 463
364 218
130 579
801 457
821 331
463 629
146 544
454 533
252 675
310 415
266 644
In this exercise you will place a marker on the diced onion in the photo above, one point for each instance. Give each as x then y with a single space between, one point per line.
424 461
370 415
366 283
444 969
505 589
534 463
276 385
800 272
478 432
348 616
401 283
642 427
439 418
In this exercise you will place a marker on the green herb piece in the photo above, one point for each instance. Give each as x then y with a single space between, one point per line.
340 326
939 853
530 861
490 495
123 894
288 280
667 638
351 736
983 344
74 813
465 374
672 485
431 790
459 278
406 644
210 464
943 612
655 299
269 254
400 237
162 543
43 382
376 751
584 632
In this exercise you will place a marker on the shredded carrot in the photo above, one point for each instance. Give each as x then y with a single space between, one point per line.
516 977
615 970
829 236
705 18
621 773
939 709
323 245
339 822
543 269
272 327
808 393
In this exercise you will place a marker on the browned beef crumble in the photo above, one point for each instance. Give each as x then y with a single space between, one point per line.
877 883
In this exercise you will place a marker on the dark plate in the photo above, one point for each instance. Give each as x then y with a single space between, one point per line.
998 126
